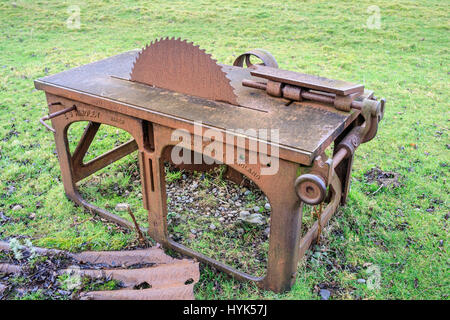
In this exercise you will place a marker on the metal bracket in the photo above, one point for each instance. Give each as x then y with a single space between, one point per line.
311 187
54 115
265 56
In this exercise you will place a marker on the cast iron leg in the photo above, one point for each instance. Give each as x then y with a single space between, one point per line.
285 225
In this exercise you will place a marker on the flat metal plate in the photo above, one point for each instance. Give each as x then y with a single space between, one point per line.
308 81
305 127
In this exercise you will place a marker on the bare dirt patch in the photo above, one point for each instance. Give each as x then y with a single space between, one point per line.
383 178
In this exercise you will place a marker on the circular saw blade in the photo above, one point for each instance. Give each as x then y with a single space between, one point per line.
179 66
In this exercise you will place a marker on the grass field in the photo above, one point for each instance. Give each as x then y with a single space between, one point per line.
400 232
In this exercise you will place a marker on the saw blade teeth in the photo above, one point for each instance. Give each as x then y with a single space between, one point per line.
195 64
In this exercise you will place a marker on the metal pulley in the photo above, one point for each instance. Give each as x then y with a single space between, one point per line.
310 188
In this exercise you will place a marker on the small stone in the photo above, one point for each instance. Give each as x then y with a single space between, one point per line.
193 231
247 192
17 207
32 215
256 208
267 206
361 280
325 294
122 207
244 213
11 190
2 288
267 231
221 219
255 218
212 226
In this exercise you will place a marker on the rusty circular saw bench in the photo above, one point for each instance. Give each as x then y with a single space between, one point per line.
172 85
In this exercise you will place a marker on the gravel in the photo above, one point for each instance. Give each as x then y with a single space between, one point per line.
244 214
219 213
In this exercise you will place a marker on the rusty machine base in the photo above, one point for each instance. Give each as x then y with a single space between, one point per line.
166 92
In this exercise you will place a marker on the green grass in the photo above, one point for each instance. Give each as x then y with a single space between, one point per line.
402 231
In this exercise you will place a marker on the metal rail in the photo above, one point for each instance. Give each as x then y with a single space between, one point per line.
54 115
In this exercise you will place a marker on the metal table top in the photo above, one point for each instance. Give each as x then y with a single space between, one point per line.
306 128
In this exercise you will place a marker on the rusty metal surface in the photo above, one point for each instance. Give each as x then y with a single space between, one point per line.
307 81
104 81
297 93
160 276
184 292
125 258
179 66
9 268
167 277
